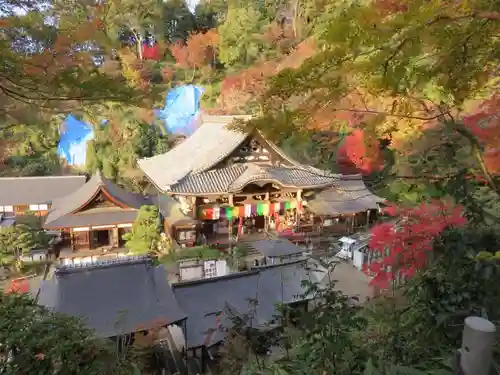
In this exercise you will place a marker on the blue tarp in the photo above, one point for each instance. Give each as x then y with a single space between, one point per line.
181 110
73 141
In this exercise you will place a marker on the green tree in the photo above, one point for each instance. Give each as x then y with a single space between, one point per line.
17 240
178 21
145 234
54 67
38 341
31 149
240 41
125 137
129 21
209 14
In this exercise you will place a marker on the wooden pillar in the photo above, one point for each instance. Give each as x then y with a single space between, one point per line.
368 218
298 211
267 217
72 240
91 239
230 223
115 242
193 204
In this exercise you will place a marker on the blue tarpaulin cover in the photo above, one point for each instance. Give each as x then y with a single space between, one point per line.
182 108
73 141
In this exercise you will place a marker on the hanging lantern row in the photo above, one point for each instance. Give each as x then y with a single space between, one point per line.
247 210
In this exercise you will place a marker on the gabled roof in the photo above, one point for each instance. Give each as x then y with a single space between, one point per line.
203 300
65 213
113 298
348 195
209 145
37 190
234 178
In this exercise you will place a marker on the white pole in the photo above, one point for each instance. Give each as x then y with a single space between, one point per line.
476 353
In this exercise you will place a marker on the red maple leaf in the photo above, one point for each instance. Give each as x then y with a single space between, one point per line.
402 248
18 286
359 152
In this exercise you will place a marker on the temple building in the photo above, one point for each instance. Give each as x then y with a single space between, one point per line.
232 184
95 217
19 195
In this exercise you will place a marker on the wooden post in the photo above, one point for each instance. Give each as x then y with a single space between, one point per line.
297 210
230 225
72 239
476 354
193 205
368 218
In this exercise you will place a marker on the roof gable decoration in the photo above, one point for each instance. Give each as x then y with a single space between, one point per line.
97 193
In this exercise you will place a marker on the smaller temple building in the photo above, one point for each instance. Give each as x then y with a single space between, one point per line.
19 195
95 217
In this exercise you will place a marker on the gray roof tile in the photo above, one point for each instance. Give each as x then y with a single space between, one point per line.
276 247
202 299
6 221
170 209
62 215
37 190
348 195
113 299
214 181
234 178
212 142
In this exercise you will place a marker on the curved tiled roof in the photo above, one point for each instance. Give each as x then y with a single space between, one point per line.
348 195
210 144
233 179
64 209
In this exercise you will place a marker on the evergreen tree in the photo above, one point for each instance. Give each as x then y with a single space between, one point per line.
145 235
178 21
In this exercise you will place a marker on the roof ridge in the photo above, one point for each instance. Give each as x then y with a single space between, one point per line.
41 177
100 264
231 276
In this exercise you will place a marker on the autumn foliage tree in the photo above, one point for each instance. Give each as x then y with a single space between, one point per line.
53 67
414 75
199 51
404 247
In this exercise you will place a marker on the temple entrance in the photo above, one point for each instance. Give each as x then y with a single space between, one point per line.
101 238
260 223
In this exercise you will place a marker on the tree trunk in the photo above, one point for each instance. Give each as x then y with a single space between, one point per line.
139 47
295 18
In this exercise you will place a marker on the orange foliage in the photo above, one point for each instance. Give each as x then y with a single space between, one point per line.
280 36
299 54
485 126
199 49
360 153
238 89
64 54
